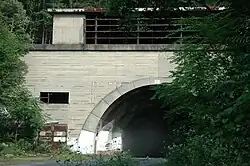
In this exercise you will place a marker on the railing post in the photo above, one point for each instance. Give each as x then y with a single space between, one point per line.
84 30
138 33
96 30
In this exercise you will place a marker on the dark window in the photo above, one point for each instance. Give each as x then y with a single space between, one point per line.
54 97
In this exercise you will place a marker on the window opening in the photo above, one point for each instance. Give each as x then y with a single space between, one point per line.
54 97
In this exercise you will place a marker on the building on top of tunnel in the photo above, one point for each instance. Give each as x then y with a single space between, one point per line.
93 26
90 71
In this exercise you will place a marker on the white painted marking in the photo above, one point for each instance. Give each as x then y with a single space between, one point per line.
86 142
157 81
59 139
102 140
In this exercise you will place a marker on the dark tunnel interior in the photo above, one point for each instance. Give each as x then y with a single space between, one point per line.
141 118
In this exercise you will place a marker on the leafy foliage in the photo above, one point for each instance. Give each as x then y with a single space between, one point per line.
20 114
116 160
120 160
40 25
209 95
211 85
23 148
208 98
13 14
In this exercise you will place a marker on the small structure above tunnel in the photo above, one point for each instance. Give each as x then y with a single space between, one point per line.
94 26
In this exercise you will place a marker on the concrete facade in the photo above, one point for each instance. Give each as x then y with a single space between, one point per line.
68 29
94 75
89 76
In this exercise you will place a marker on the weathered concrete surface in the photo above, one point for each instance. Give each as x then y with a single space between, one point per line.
57 47
68 29
105 47
89 77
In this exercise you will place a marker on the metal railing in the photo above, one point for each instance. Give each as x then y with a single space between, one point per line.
139 31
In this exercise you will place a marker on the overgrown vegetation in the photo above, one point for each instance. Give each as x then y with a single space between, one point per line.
215 83
116 160
23 148
40 25
212 89
20 115
208 98
209 95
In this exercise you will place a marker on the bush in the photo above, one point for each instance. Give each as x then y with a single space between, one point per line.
20 114
117 160
23 148
66 155
206 151
2 146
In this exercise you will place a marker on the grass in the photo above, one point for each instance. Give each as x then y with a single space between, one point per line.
14 160
15 154
25 153
7 161
66 155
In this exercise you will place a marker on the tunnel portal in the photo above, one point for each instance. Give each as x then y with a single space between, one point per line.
140 120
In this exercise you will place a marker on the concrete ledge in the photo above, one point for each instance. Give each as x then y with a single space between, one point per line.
131 47
105 47
57 47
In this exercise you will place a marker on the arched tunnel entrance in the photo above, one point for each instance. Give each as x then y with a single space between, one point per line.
138 120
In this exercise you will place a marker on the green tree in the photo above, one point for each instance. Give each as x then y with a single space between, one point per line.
40 24
22 116
13 15
88 3
216 77
210 88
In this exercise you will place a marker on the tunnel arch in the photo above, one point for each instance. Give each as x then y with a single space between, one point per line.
87 138
96 114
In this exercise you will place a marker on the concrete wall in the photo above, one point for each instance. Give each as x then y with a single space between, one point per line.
88 77
68 29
